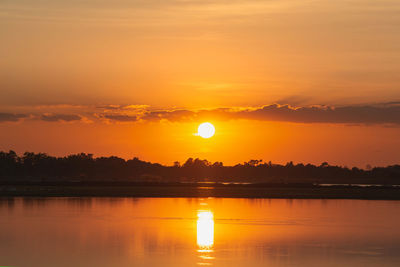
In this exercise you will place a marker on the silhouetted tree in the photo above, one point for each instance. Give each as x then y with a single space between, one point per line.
84 167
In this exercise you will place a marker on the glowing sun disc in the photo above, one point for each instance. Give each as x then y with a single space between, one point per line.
206 130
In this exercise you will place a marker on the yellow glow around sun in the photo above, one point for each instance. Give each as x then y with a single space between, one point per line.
206 130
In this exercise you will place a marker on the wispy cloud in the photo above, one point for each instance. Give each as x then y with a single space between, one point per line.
117 117
60 117
384 113
4 117
373 114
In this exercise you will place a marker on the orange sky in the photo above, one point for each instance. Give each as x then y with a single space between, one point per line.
135 78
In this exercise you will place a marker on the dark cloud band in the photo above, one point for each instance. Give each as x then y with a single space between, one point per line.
387 113
60 117
118 117
4 117
384 114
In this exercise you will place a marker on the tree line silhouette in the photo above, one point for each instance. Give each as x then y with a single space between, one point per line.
41 167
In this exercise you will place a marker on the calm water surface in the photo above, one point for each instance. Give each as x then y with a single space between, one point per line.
196 232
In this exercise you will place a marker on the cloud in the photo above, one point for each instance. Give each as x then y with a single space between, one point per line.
11 117
378 114
315 114
60 117
118 117
171 115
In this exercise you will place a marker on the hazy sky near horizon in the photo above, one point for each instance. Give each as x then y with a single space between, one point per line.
282 80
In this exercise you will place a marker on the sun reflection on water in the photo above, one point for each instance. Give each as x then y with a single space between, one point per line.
205 230
205 236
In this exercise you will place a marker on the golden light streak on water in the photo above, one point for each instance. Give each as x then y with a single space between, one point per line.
205 230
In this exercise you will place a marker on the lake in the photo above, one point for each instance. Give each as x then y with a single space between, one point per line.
198 232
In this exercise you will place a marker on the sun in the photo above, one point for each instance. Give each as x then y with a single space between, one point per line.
206 130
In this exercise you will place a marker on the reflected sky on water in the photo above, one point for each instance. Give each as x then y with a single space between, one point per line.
198 232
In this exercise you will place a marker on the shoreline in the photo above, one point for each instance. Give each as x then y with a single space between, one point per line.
193 190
